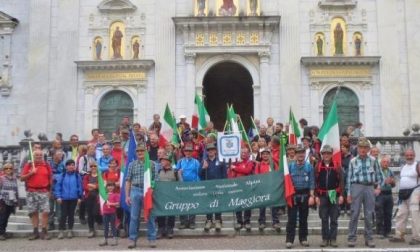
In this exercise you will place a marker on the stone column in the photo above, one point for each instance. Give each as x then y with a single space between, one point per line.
265 110
88 111
189 85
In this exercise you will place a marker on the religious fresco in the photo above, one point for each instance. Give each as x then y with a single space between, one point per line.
117 45
201 8
227 7
338 37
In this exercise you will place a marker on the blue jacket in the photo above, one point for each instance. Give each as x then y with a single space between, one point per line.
103 163
215 170
191 169
68 186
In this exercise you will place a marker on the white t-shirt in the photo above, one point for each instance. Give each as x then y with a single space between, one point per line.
408 176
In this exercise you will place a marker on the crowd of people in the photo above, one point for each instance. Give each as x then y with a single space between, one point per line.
63 179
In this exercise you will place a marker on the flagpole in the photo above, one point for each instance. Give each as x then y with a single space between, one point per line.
243 129
31 155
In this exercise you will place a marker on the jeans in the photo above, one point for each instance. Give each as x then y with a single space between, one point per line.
109 220
274 215
67 213
328 213
301 207
92 207
5 211
136 196
383 209
217 216
55 211
246 217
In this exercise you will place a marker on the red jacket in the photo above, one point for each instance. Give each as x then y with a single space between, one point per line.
117 154
41 180
275 154
243 168
264 167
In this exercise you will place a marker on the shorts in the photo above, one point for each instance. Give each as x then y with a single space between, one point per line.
38 202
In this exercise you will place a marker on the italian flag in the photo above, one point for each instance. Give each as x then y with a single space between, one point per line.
294 131
231 120
289 189
201 116
103 194
243 133
169 132
147 190
253 131
329 133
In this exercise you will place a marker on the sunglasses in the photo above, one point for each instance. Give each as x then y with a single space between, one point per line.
7 168
93 166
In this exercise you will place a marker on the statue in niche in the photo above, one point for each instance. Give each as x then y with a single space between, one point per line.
98 49
136 49
338 39
253 5
228 8
116 43
319 46
201 8
358 46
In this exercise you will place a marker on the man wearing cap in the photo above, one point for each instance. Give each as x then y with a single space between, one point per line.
329 188
189 170
213 169
125 139
267 165
134 198
166 173
363 182
182 125
302 174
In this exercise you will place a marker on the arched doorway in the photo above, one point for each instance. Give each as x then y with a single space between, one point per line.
347 107
228 83
112 108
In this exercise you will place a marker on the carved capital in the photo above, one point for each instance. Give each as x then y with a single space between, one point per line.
264 56
89 90
190 57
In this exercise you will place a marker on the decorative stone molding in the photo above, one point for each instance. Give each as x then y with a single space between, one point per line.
337 4
341 61
116 6
220 34
115 65
7 26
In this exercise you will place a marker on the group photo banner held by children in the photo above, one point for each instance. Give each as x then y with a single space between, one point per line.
220 195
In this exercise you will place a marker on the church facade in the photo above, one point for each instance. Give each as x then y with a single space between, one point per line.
70 66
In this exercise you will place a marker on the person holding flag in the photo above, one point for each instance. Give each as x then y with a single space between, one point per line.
134 196
302 174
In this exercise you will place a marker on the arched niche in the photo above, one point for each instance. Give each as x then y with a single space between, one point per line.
117 40
358 44
338 36
319 44
97 48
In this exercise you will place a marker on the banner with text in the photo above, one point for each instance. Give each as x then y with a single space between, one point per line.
220 195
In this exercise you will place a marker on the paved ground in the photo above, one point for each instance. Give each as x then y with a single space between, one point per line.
230 243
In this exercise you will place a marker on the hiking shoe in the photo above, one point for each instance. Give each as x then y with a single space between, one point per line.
104 242
60 235
182 226
304 243
397 239
208 225
70 234
370 243
276 227
248 227
324 243
159 234
238 226
91 234
261 227
44 235
152 244
34 236
351 244
333 243
289 245
414 242
132 244
114 241
218 226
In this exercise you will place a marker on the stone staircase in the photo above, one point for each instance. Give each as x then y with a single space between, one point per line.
20 226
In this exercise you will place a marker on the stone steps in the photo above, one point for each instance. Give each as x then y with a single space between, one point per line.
20 226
